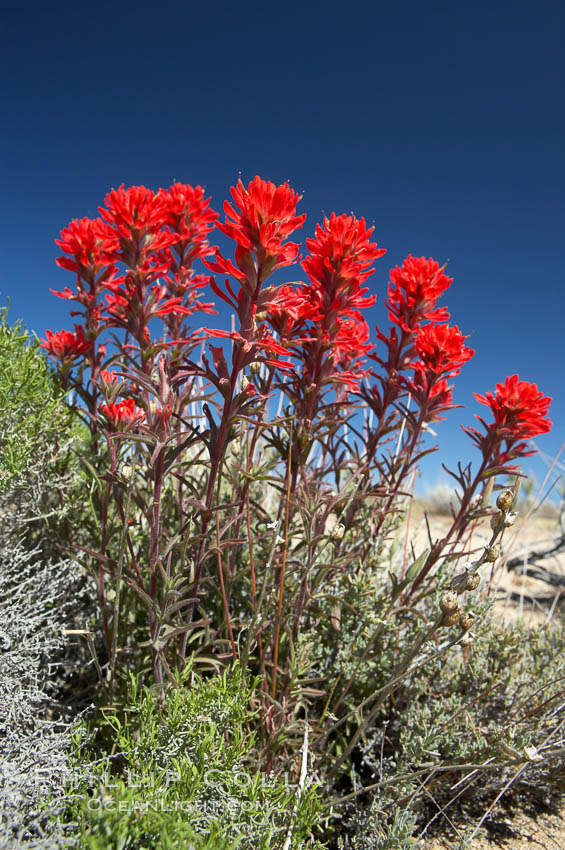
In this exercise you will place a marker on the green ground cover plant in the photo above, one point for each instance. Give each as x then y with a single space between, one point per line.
241 512
185 774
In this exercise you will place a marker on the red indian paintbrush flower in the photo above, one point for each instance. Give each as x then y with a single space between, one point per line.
441 350
519 409
413 291
137 215
350 345
338 265
351 338
91 244
520 413
289 310
110 383
123 414
108 378
262 219
136 210
66 345
190 219
325 328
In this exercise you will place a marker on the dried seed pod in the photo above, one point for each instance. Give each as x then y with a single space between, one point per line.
466 640
473 582
254 367
505 500
495 521
448 602
510 519
459 583
493 552
451 619
467 620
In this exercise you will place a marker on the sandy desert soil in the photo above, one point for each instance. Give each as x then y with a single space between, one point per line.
534 602
519 830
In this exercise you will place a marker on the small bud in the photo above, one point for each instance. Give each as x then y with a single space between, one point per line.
510 519
451 619
532 754
466 640
338 531
493 552
236 447
428 430
448 603
495 521
244 383
127 471
473 582
467 620
254 368
505 500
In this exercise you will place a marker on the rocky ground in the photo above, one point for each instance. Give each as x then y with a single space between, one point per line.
522 829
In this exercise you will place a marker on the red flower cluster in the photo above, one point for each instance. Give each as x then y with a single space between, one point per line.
266 216
91 244
108 378
412 295
189 216
441 350
289 309
134 214
413 291
122 415
350 342
321 320
191 220
519 409
263 218
338 265
520 413
65 345
350 338
155 236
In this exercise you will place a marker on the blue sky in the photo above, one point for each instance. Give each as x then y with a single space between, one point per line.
440 122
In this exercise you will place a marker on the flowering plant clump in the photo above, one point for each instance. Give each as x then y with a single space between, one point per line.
247 478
